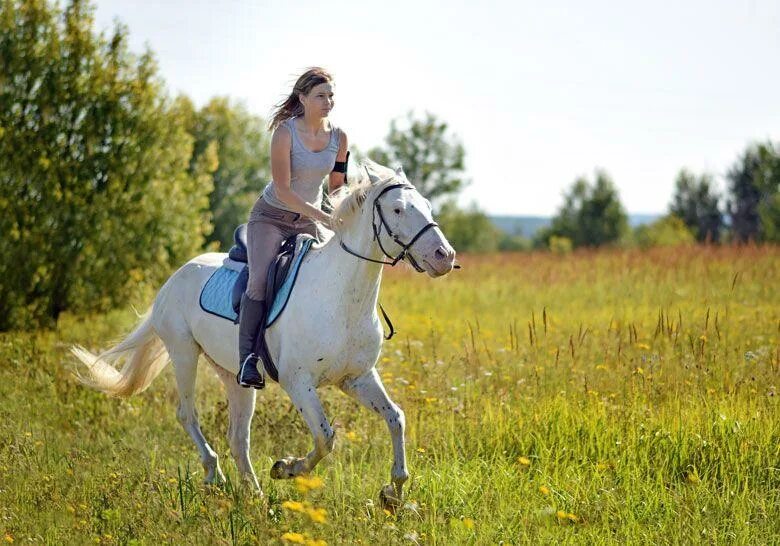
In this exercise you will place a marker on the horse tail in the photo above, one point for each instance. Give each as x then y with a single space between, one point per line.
144 358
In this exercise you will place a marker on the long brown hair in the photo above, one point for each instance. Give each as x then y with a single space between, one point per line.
291 106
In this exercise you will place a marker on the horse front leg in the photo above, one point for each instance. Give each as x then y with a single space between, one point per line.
370 392
305 398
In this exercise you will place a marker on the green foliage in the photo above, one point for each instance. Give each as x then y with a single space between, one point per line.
513 243
432 159
591 215
468 230
695 202
754 194
560 245
96 194
235 145
667 231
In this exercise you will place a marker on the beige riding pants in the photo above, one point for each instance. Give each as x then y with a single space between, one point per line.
267 228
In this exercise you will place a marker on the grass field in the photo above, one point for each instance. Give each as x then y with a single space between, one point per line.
611 397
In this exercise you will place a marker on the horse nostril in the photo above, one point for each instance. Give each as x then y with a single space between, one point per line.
441 253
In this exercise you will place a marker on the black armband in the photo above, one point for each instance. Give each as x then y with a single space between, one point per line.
341 166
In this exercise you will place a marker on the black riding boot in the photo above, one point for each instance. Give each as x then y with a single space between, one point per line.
251 326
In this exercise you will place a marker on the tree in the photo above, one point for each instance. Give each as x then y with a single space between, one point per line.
236 145
468 230
591 215
695 202
666 231
432 160
96 195
754 200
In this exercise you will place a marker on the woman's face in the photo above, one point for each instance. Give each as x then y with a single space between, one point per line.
319 101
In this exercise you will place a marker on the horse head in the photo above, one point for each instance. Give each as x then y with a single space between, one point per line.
401 220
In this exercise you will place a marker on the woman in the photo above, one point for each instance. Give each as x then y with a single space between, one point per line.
305 147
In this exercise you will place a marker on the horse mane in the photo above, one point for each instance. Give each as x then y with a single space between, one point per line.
348 199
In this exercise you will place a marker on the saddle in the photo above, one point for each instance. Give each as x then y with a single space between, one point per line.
281 276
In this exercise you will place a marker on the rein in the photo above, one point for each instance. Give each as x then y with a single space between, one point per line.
377 228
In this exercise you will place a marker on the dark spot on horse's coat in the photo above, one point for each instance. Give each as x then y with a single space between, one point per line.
319 359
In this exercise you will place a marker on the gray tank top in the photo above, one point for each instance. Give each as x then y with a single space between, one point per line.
307 168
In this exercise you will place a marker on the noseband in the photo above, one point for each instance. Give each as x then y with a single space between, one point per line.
377 227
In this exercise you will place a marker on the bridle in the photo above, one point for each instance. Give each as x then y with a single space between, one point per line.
377 227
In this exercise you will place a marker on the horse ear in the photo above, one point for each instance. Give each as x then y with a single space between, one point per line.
399 171
372 177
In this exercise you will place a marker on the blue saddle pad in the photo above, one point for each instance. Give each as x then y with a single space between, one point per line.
216 296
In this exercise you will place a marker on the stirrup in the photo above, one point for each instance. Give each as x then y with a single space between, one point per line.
255 383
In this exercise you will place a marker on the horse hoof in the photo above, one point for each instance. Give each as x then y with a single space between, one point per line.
214 478
282 470
388 500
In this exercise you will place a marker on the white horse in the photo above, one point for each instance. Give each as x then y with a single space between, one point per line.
329 333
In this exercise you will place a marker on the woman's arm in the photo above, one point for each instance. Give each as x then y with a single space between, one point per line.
281 143
336 180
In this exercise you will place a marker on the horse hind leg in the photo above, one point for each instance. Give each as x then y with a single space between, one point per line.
184 355
241 404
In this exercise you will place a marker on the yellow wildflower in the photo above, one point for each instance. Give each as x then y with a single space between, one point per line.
317 515
468 523
525 461
296 538
560 514
8 538
351 436
644 346
573 518
544 490
315 542
307 483
420 450
295 506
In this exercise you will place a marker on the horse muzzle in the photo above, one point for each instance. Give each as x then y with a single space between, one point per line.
441 263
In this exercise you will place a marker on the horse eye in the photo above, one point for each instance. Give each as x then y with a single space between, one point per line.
397 211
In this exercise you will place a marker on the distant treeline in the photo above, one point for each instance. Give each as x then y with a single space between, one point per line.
592 214
107 183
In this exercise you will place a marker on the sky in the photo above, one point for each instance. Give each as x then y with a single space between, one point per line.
539 93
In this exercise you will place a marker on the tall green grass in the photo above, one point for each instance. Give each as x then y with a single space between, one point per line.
602 397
